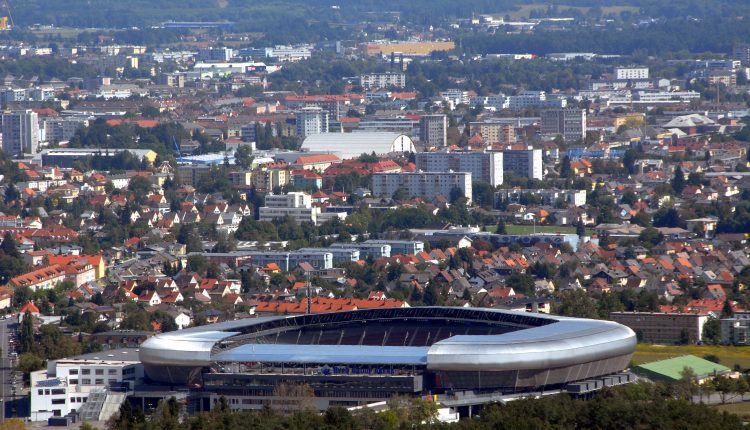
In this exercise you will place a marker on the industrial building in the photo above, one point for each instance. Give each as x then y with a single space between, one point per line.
352 145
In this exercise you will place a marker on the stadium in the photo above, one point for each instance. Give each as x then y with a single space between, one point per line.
363 356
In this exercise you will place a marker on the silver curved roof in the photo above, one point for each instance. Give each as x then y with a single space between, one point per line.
556 342
352 145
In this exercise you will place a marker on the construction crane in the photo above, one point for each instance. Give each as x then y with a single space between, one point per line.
6 21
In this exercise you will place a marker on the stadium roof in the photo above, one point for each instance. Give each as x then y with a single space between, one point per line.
672 368
352 145
322 354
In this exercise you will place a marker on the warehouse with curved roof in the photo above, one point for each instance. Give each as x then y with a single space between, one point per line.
352 145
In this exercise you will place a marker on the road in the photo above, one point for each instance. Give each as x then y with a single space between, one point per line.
6 368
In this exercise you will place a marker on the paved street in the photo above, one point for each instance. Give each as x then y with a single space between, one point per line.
6 374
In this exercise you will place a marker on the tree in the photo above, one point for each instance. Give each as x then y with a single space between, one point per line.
9 247
26 338
401 194
243 156
678 181
712 331
667 217
580 228
565 170
455 195
197 263
650 237
576 303
686 387
724 386
501 229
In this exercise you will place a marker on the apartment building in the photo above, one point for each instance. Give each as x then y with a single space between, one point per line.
654 327
483 166
311 120
568 123
288 260
297 206
192 174
525 163
382 80
427 185
494 132
20 132
44 278
433 130
628 73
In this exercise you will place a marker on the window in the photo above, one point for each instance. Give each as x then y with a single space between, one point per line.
73 372
74 381
58 391
86 382
112 381
112 372
86 372
99 371
58 401
41 392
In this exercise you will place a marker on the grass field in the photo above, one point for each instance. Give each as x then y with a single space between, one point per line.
525 9
729 355
529 229
740 409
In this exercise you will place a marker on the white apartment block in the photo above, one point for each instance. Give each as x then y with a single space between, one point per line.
525 163
297 206
382 80
666 97
399 247
20 132
428 185
311 120
340 255
62 129
483 166
288 260
455 97
568 123
625 73
366 250
533 99
433 130
289 53
66 384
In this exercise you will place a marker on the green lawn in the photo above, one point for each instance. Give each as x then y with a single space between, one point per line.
740 409
529 229
728 355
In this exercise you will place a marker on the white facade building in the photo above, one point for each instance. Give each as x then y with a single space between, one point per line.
382 80
311 120
623 73
296 205
67 383
428 185
20 132
433 130
526 163
568 123
483 166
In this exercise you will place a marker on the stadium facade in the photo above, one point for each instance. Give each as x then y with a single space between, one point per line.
356 357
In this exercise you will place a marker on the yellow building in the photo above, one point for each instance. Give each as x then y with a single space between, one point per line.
408 48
